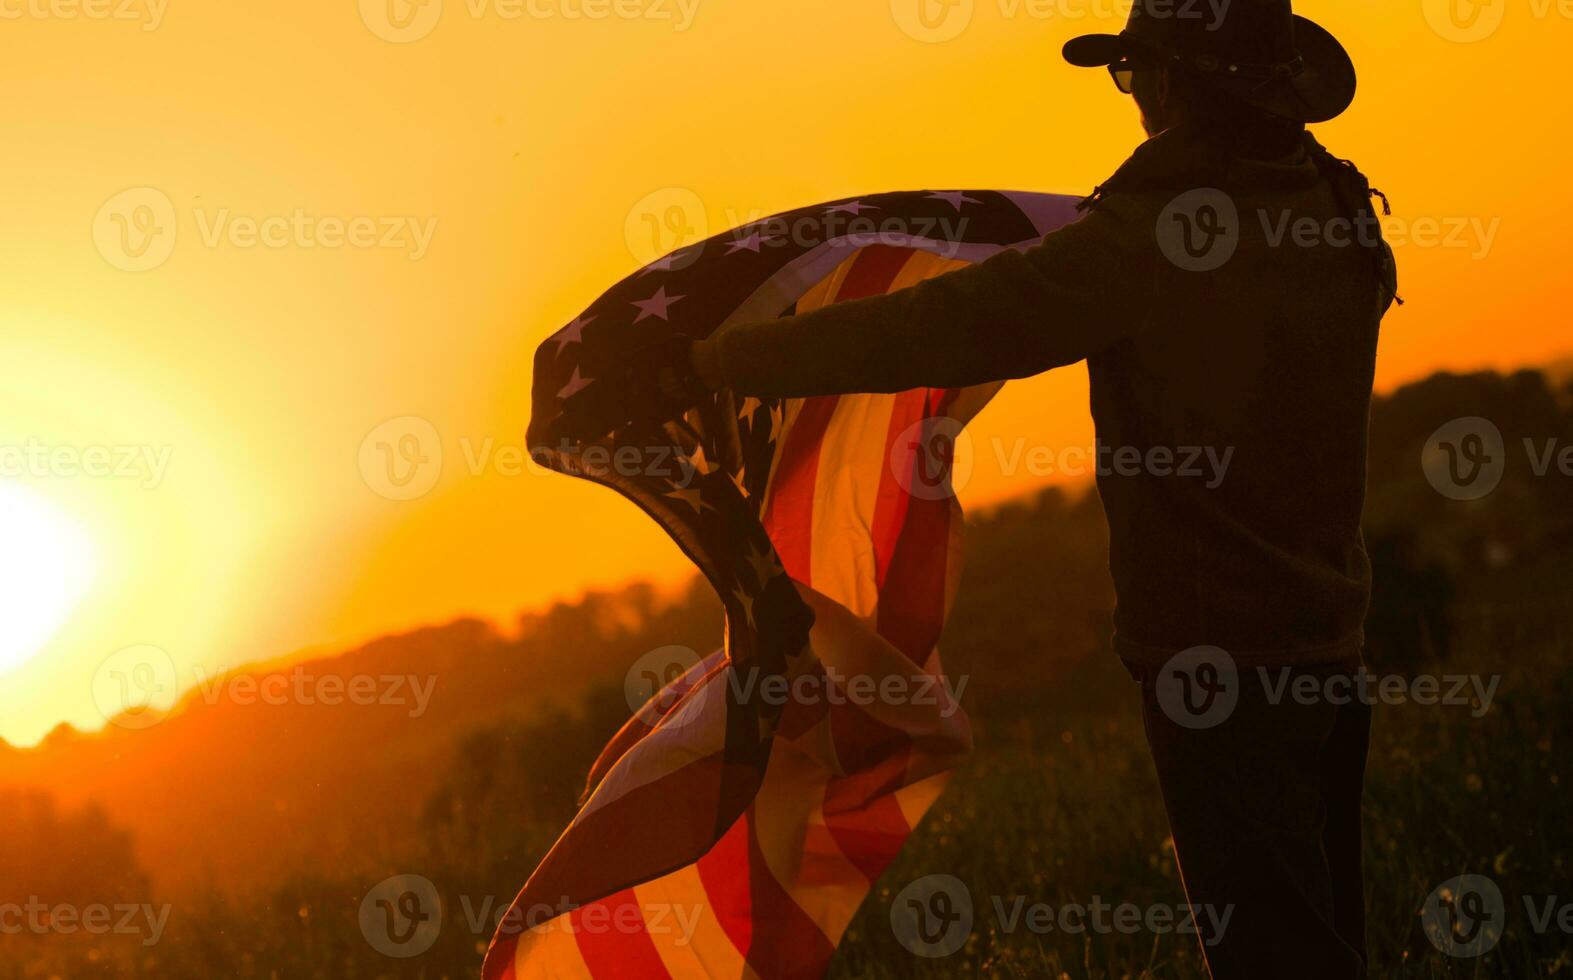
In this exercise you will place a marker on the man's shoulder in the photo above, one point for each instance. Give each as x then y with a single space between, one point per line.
1121 219
1116 209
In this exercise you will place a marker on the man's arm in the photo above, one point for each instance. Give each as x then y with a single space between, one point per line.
1017 314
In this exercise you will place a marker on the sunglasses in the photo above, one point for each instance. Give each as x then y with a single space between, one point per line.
1124 70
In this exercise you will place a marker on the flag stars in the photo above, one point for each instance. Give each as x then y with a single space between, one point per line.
853 208
954 198
745 601
573 333
751 243
666 263
692 497
764 564
577 383
702 464
751 409
656 306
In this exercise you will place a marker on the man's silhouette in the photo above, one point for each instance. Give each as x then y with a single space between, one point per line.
1225 288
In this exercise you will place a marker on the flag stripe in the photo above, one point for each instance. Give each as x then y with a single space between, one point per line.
794 946
697 946
791 947
789 520
775 823
729 891
613 940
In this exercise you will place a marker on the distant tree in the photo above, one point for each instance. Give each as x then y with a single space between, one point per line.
77 858
510 789
1035 599
1411 618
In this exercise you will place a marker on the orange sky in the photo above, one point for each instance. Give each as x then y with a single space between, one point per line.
238 239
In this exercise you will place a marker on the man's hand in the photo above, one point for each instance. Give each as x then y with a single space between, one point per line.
657 384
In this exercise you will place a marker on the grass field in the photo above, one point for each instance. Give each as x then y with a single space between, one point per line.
1060 805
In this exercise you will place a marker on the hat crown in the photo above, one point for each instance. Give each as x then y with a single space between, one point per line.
1259 51
1255 32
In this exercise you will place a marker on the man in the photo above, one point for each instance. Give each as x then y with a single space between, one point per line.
1225 288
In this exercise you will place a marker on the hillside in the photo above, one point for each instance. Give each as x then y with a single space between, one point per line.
336 774
326 784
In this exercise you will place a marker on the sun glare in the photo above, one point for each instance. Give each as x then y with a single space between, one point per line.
46 566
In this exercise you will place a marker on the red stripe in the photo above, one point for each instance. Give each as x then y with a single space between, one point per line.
631 734
864 817
790 946
890 509
614 942
789 520
498 964
912 538
723 873
912 597
801 714
643 722
649 831
873 272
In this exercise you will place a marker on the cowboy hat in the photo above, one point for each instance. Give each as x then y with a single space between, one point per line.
1258 51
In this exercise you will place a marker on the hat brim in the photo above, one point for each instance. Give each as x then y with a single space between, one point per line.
1321 91
1098 50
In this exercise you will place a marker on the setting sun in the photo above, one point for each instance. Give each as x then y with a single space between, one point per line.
45 570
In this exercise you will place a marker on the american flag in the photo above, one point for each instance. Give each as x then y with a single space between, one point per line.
726 833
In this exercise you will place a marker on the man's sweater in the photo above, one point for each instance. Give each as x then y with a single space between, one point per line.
1259 359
